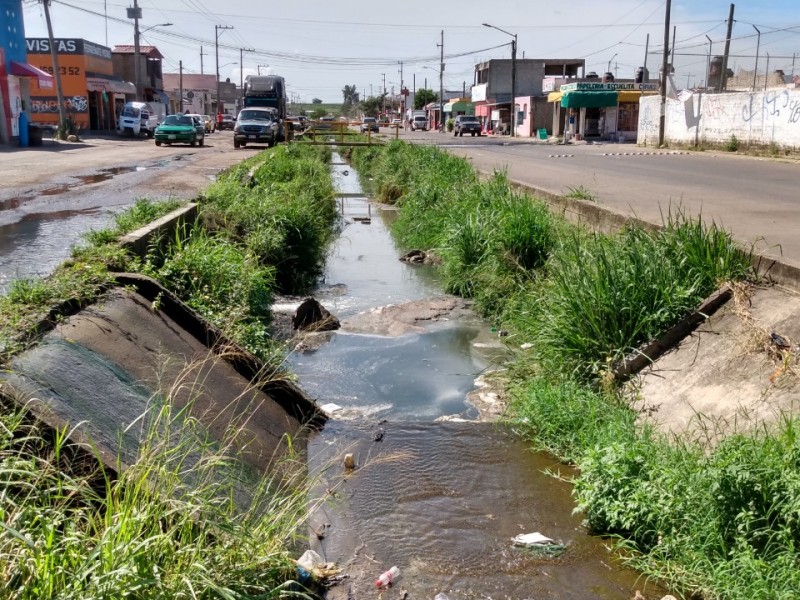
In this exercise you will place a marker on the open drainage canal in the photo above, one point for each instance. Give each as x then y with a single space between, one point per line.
441 500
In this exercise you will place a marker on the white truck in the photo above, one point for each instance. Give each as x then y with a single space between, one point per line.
140 117
417 119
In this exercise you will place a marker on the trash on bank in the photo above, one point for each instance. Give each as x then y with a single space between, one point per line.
311 563
387 578
539 544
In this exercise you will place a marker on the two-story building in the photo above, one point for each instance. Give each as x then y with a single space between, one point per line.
150 70
491 91
16 73
93 94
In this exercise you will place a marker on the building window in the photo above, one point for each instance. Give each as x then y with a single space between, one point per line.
628 116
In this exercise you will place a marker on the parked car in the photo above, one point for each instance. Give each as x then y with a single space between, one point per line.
419 122
396 122
228 122
369 124
467 124
210 124
256 125
295 123
198 123
179 129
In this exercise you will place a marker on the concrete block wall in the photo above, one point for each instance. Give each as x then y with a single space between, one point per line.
761 118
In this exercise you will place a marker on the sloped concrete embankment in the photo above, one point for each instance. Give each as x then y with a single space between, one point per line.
98 370
731 365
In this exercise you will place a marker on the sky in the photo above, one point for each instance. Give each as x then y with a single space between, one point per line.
321 46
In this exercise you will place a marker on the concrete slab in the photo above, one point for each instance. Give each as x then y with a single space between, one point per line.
730 374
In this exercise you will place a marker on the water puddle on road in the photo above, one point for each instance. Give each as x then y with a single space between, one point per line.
441 500
38 243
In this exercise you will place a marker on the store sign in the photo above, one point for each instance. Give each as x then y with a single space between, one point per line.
479 92
67 46
586 86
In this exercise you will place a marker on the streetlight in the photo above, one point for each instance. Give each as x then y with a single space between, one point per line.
513 77
154 26
608 69
137 53
259 68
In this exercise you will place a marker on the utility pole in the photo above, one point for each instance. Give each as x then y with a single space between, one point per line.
383 97
202 54
216 52
441 83
645 76
766 75
723 76
241 66
708 63
402 97
758 47
62 115
136 14
664 65
180 83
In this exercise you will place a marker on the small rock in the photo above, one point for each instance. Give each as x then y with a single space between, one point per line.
349 462
72 138
378 435
415 256
311 315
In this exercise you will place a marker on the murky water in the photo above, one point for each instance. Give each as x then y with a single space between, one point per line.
38 243
440 500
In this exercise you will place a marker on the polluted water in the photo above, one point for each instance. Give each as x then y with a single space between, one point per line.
407 473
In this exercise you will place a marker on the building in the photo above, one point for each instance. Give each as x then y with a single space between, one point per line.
16 73
150 71
93 94
199 92
491 92
595 109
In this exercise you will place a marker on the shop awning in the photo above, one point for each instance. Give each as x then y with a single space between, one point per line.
554 96
628 96
603 99
113 86
26 70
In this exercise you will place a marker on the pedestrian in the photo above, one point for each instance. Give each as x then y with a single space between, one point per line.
219 120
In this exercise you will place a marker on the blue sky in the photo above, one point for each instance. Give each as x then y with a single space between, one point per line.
320 46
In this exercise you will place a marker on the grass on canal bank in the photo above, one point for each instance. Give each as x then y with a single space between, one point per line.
169 526
713 522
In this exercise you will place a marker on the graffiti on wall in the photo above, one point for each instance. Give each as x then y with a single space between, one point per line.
771 105
646 121
78 104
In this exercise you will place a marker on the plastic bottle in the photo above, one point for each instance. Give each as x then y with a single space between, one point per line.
388 577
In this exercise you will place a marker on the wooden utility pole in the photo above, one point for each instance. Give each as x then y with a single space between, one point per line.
180 84
202 54
664 67
62 111
441 84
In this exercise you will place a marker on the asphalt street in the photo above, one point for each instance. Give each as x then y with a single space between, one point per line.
758 199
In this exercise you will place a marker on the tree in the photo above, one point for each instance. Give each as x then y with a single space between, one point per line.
423 97
318 114
316 101
350 99
373 105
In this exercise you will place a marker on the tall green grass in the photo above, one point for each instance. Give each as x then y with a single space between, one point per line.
712 521
185 519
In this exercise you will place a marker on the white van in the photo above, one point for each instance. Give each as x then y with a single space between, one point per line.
137 118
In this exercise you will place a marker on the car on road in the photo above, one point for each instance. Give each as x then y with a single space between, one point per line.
396 122
198 122
369 124
210 124
179 129
256 125
228 122
467 124
419 122
295 123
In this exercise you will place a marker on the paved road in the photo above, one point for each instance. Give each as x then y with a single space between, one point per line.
52 195
758 199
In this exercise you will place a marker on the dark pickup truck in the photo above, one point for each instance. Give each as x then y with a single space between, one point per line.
467 124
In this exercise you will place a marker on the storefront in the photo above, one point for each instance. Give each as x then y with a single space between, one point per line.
93 95
458 106
16 74
601 111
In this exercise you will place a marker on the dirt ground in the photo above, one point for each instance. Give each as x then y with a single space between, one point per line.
735 372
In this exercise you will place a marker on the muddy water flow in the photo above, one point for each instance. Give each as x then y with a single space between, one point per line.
440 500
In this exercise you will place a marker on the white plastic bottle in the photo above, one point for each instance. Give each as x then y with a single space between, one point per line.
387 578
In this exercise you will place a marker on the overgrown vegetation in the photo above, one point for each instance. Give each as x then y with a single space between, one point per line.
714 521
172 525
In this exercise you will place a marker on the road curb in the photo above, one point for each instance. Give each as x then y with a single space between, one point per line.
601 219
140 240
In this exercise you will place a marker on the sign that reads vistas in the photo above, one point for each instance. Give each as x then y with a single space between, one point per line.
67 46
585 86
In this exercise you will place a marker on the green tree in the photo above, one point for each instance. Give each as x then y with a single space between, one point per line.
423 97
373 105
350 99
318 113
316 101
